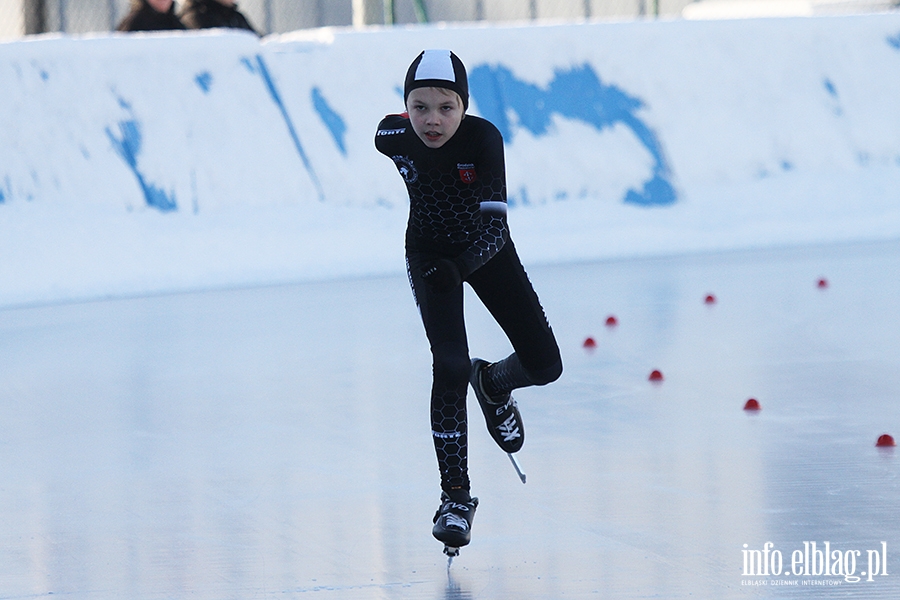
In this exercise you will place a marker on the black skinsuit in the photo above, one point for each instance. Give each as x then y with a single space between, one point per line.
457 211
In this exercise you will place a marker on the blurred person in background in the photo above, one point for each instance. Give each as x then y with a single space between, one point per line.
151 15
207 14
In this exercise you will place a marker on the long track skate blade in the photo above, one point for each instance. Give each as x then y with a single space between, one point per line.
451 551
516 466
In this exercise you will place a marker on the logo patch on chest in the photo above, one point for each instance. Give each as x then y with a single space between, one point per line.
466 172
407 168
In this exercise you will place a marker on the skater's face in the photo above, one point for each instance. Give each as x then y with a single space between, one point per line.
160 5
435 114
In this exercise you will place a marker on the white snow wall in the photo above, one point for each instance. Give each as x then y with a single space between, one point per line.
153 163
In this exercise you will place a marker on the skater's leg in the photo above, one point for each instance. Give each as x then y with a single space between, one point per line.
448 415
500 378
442 316
504 288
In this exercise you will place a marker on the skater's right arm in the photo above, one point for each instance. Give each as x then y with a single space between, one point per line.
391 128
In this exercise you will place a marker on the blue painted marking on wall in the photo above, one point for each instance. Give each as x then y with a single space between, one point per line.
123 103
332 120
204 81
523 197
578 94
5 190
258 67
894 41
128 145
832 91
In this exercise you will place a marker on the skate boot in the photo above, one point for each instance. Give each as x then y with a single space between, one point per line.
453 522
501 413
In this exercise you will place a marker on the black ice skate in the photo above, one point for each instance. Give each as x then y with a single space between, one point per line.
453 523
501 414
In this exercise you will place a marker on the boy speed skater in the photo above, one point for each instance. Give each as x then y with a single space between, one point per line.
454 170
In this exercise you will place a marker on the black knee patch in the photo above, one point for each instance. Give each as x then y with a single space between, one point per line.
546 375
451 364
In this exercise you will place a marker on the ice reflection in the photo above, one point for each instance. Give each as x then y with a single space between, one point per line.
455 590
274 442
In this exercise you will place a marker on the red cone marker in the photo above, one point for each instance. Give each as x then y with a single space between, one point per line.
823 283
590 343
611 321
752 404
656 376
885 441
710 299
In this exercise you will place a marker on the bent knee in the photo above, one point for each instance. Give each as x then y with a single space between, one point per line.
547 374
451 363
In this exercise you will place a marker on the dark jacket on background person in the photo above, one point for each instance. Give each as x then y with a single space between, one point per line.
207 14
144 17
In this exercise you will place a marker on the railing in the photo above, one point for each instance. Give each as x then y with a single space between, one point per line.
19 17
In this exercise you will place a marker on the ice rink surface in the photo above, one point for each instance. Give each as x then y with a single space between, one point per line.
274 442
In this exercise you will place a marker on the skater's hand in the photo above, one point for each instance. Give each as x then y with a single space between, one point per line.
442 275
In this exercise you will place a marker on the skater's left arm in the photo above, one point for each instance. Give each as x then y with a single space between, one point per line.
493 231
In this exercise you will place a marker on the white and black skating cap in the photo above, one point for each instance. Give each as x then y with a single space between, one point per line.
437 68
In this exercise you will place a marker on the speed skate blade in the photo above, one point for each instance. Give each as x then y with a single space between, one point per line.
451 551
516 466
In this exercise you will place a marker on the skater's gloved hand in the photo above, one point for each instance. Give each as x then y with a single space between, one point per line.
442 275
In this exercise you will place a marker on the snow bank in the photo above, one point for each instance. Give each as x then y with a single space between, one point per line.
154 163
